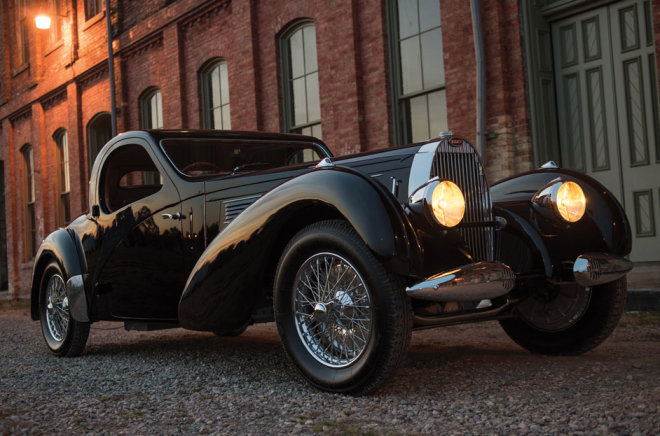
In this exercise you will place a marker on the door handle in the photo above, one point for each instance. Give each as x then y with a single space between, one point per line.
177 216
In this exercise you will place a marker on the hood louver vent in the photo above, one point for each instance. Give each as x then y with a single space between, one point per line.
233 208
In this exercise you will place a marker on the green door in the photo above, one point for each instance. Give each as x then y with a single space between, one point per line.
607 104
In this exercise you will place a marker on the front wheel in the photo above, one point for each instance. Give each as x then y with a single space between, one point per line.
64 336
569 319
344 321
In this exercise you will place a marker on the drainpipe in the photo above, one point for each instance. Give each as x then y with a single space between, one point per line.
481 80
111 70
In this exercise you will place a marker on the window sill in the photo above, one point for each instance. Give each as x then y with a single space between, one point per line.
20 69
95 19
54 47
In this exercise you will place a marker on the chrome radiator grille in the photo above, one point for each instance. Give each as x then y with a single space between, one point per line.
461 165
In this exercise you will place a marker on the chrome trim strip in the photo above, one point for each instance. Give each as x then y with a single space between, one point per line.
75 292
420 170
474 282
598 268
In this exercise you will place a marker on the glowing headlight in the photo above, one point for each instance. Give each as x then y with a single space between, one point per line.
571 202
448 204
562 198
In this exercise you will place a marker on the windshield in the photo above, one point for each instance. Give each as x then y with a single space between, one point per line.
212 157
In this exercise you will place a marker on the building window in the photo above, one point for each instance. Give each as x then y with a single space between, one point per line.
302 104
99 132
22 41
63 179
56 27
215 96
151 109
418 72
30 248
93 8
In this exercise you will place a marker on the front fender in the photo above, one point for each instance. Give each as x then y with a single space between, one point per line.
226 281
61 246
604 228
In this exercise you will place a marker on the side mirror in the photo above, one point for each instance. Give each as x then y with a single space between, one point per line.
96 211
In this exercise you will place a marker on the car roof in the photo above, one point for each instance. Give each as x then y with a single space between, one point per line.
227 134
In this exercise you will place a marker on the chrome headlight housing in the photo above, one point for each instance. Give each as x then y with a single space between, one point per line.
560 198
442 201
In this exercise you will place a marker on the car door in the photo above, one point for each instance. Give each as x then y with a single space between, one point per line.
140 221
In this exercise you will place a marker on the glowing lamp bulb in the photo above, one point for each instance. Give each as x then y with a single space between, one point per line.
43 21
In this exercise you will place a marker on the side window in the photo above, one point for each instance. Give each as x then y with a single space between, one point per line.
129 175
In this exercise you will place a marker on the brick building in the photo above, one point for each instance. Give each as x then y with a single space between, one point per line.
361 74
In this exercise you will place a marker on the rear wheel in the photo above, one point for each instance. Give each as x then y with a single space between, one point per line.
344 321
568 320
64 335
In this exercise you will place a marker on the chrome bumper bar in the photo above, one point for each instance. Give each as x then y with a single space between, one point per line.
597 268
474 282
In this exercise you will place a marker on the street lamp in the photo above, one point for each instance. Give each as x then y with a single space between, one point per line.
43 22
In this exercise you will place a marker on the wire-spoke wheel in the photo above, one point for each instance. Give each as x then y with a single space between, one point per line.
333 310
64 335
569 320
344 320
57 308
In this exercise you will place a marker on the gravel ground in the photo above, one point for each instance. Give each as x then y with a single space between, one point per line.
459 380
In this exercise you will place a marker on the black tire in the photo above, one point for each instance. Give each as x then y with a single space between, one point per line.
389 311
593 327
72 339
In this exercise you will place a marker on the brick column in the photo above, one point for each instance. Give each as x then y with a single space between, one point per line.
12 213
340 81
174 99
77 176
42 183
243 66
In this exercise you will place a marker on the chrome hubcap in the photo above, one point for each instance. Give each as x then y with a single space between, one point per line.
57 309
556 310
332 307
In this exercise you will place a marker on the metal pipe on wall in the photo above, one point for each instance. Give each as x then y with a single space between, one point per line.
111 70
481 79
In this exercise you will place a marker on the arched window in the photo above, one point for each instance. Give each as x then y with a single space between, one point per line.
215 96
99 132
63 180
302 104
418 71
151 109
29 246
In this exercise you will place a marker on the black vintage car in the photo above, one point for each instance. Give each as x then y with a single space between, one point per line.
214 231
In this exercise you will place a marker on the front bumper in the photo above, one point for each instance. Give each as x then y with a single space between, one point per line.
474 282
593 269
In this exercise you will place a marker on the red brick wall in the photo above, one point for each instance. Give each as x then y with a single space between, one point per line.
165 43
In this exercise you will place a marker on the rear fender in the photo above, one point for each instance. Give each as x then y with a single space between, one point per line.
61 246
226 282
